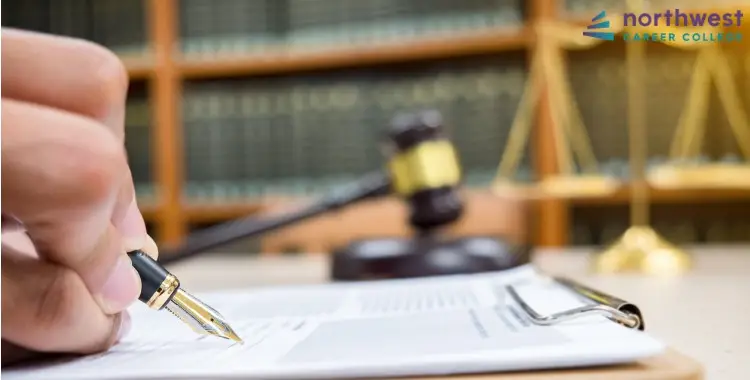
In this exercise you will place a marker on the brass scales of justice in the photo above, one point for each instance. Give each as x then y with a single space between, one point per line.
640 248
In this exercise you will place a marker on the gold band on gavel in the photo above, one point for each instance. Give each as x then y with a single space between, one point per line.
429 165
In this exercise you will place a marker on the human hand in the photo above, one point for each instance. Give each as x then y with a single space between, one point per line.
66 180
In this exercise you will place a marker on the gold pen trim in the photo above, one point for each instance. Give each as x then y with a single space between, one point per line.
164 292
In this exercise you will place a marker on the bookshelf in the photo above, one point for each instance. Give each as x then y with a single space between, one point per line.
167 71
170 68
463 44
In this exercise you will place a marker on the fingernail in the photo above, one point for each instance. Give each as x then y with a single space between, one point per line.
121 288
133 228
125 325
150 248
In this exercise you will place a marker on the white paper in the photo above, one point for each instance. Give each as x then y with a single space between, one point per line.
444 325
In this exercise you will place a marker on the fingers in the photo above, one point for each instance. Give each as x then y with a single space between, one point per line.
71 74
62 176
53 310
79 77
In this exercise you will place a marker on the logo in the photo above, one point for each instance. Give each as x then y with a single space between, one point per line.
598 24
713 24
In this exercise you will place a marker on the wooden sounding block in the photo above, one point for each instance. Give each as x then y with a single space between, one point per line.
669 366
484 214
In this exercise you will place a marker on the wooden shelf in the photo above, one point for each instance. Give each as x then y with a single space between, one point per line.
138 67
665 196
221 212
207 212
496 40
218 212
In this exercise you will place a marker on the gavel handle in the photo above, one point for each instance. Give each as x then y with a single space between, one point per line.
370 186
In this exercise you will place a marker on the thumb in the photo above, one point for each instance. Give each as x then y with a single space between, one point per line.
48 308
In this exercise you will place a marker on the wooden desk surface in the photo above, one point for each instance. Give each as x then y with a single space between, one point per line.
704 314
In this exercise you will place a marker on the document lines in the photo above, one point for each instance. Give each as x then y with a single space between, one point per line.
387 328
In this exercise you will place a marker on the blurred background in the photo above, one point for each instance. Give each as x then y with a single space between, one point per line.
240 107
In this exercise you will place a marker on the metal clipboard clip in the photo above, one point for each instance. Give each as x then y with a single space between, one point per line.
617 310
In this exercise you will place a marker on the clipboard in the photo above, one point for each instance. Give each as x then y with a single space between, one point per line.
669 366
598 303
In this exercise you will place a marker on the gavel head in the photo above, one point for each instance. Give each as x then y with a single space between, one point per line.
424 169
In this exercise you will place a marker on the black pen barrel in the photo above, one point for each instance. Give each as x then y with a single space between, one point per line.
157 284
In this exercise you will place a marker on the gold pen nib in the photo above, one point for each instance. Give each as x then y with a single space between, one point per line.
200 317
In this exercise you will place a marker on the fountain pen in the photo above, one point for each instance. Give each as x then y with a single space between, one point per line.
161 290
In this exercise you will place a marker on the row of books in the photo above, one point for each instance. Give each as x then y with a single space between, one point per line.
138 138
117 24
209 27
301 133
593 7
676 231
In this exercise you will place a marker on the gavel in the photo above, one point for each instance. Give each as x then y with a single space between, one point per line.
422 169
